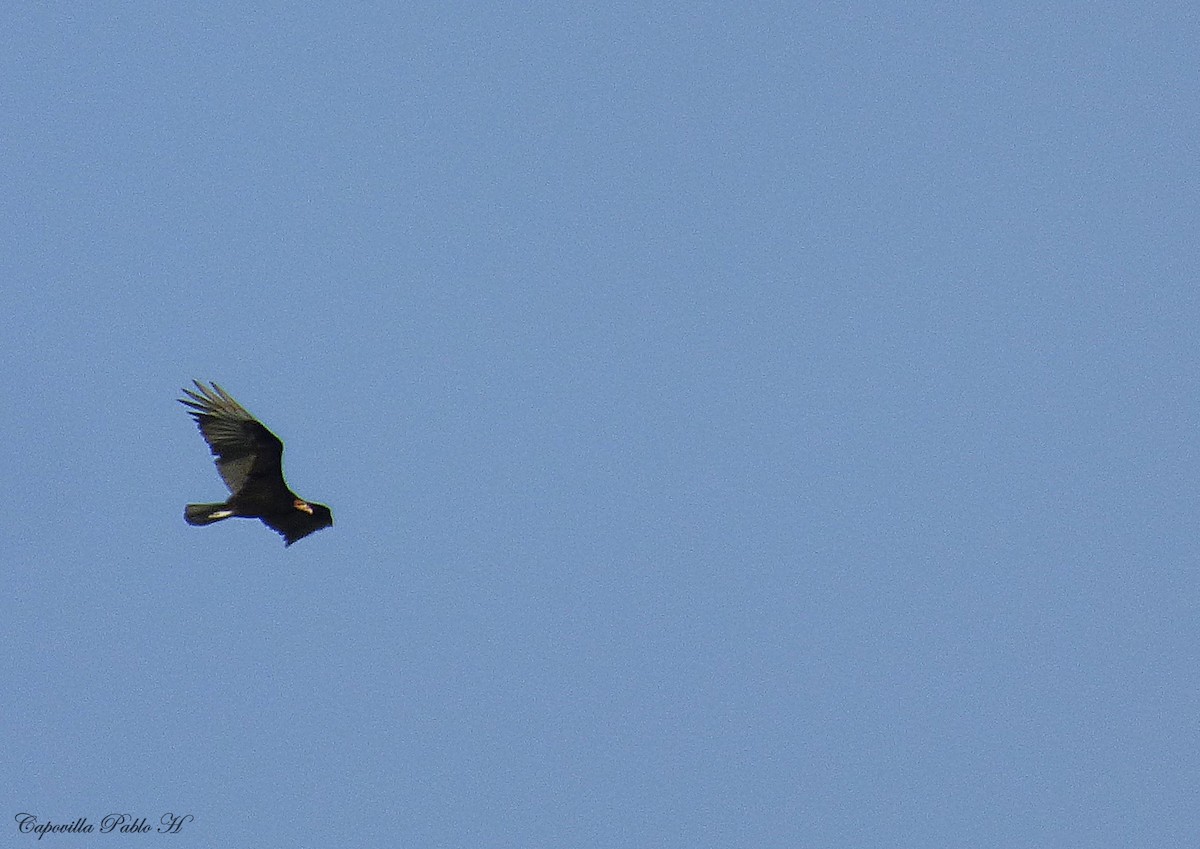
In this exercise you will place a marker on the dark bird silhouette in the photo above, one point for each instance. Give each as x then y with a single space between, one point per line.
250 460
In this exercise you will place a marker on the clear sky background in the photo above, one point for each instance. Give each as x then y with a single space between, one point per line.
747 425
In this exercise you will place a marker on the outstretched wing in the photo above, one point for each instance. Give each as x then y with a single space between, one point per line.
244 448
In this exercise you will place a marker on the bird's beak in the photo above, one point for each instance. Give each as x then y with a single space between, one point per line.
303 505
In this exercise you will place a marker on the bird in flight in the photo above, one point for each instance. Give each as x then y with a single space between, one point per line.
250 460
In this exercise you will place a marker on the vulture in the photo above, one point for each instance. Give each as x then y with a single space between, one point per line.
250 460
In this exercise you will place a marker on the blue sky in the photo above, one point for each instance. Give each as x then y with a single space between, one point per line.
746 425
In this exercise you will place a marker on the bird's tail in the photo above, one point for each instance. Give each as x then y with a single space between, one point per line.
205 514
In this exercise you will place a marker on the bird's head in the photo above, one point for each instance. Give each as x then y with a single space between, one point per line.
320 513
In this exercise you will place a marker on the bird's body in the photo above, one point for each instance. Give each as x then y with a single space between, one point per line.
250 460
